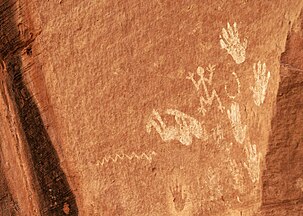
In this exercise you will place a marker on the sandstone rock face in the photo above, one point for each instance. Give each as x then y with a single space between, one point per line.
151 107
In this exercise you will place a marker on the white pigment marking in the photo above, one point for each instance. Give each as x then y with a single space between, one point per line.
187 127
253 162
234 116
261 83
209 97
231 43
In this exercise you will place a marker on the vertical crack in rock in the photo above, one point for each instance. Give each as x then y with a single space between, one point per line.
282 195
56 197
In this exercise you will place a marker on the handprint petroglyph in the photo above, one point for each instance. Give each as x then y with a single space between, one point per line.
234 116
229 40
235 171
262 78
208 98
186 127
179 197
253 162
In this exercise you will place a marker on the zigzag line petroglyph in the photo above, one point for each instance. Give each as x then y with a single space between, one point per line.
186 127
209 98
238 89
231 43
123 156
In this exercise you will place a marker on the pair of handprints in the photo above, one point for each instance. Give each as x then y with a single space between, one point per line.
229 40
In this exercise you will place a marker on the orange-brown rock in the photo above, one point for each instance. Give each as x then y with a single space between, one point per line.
151 107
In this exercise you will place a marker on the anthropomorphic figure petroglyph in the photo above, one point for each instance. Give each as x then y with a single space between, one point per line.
261 78
186 127
229 40
208 98
253 162
234 116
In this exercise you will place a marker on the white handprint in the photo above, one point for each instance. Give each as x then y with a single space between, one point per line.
253 162
259 91
231 43
234 116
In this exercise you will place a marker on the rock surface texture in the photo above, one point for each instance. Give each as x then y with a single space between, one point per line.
135 107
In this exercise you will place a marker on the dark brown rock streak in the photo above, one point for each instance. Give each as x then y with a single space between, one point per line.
56 197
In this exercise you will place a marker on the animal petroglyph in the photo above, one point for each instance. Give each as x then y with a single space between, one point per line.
253 162
208 98
123 156
179 197
234 116
238 87
231 43
186 127
262 78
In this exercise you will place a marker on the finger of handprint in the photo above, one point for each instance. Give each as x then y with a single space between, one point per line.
244 44
268 76
223 44
171 189
263 69
259 66
225 34
251 149
230 30
254 148
236 34
259 70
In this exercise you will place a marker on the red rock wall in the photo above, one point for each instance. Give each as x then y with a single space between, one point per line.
152 107
282 180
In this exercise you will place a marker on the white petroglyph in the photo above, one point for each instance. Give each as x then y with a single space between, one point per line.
187 127
214 184
235 171
229 40
261 78
234 116
208 98
123 156
218 134
253 162
238 87
179 196
299 184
